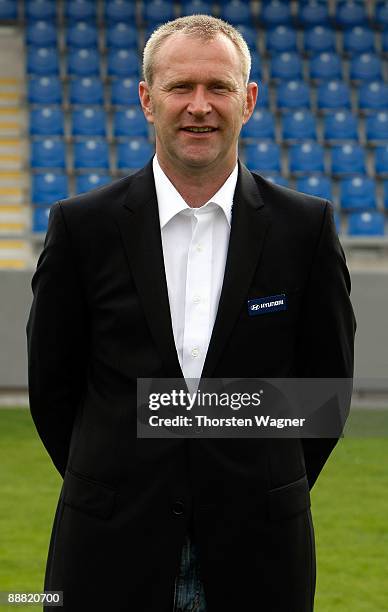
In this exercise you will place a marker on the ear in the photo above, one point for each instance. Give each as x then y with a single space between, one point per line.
145 101
250 101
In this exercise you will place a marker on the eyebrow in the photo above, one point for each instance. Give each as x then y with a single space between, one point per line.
222 83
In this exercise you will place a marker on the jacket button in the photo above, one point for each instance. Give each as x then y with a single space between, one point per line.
178 508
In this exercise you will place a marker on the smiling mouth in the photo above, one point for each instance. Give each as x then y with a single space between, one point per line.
199 130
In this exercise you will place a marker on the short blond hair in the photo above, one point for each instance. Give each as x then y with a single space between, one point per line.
205 27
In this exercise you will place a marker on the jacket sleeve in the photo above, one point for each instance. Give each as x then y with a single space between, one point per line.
326 342
57 341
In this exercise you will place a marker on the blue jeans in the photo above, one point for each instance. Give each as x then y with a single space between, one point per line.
189 593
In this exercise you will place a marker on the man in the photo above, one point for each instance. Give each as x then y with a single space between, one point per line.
150 277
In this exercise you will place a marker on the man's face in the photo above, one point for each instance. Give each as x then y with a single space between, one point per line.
197 84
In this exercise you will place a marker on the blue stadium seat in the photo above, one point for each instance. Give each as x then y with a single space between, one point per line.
89 122
275 13
47 187
149 30
281 39
333 95
123 63
45 90
350 14
130 122
385 184
91 153
263 156
83 62
42 60
347 159
41 34
80 10
82 35
236 12
381 14
299 125
8 10
313 13
249 34
359 40
40 219
277 179
340 125
263 96
48 153
366 67
286 66
261 125
384 41
86 182
373 96
319 39
358 193
326 66
121 36
256 67
292 95
46 121
120 10
316 185
306 157
88 90
156 11
197 7
134 153
381 160
376 127
124 92
41 10
369 223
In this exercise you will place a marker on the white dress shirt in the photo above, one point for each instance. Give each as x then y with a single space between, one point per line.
195 244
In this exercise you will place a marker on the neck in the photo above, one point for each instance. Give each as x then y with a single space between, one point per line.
197 186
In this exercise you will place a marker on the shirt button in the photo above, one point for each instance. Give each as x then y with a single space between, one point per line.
178 508
196 299
195 352
199 248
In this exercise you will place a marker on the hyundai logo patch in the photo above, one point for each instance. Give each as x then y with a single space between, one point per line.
271 303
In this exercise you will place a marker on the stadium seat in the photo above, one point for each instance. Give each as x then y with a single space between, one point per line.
358 193
299 125
350 14
130 122
306 157
44 90
197 7
292 95
326 66
281 39
123 63
263 156
42 61
347 159
91 153
89 122
124 92
313 13
121 36
40 217
82 35
332 95
41 10
263 96
286 66
80 10
381 14
316 185
277 179
48 187
381 160
261 125
340 125
120 10
156 11
86 182
46 121
359 40
366 224
83 62
376 127
385 196
48 153
41 34
134 153
249 34
365 67
275 13
88 90
384 41
319 39
373 96
8 10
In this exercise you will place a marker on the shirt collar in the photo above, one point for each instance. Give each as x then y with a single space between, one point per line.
170 201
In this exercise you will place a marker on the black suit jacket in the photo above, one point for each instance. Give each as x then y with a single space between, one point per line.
100 319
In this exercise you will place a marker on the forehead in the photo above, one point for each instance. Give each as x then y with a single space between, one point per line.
183 55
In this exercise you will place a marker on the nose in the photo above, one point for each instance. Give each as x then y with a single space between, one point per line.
199 105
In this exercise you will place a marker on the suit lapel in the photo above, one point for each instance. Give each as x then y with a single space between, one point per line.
250 221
